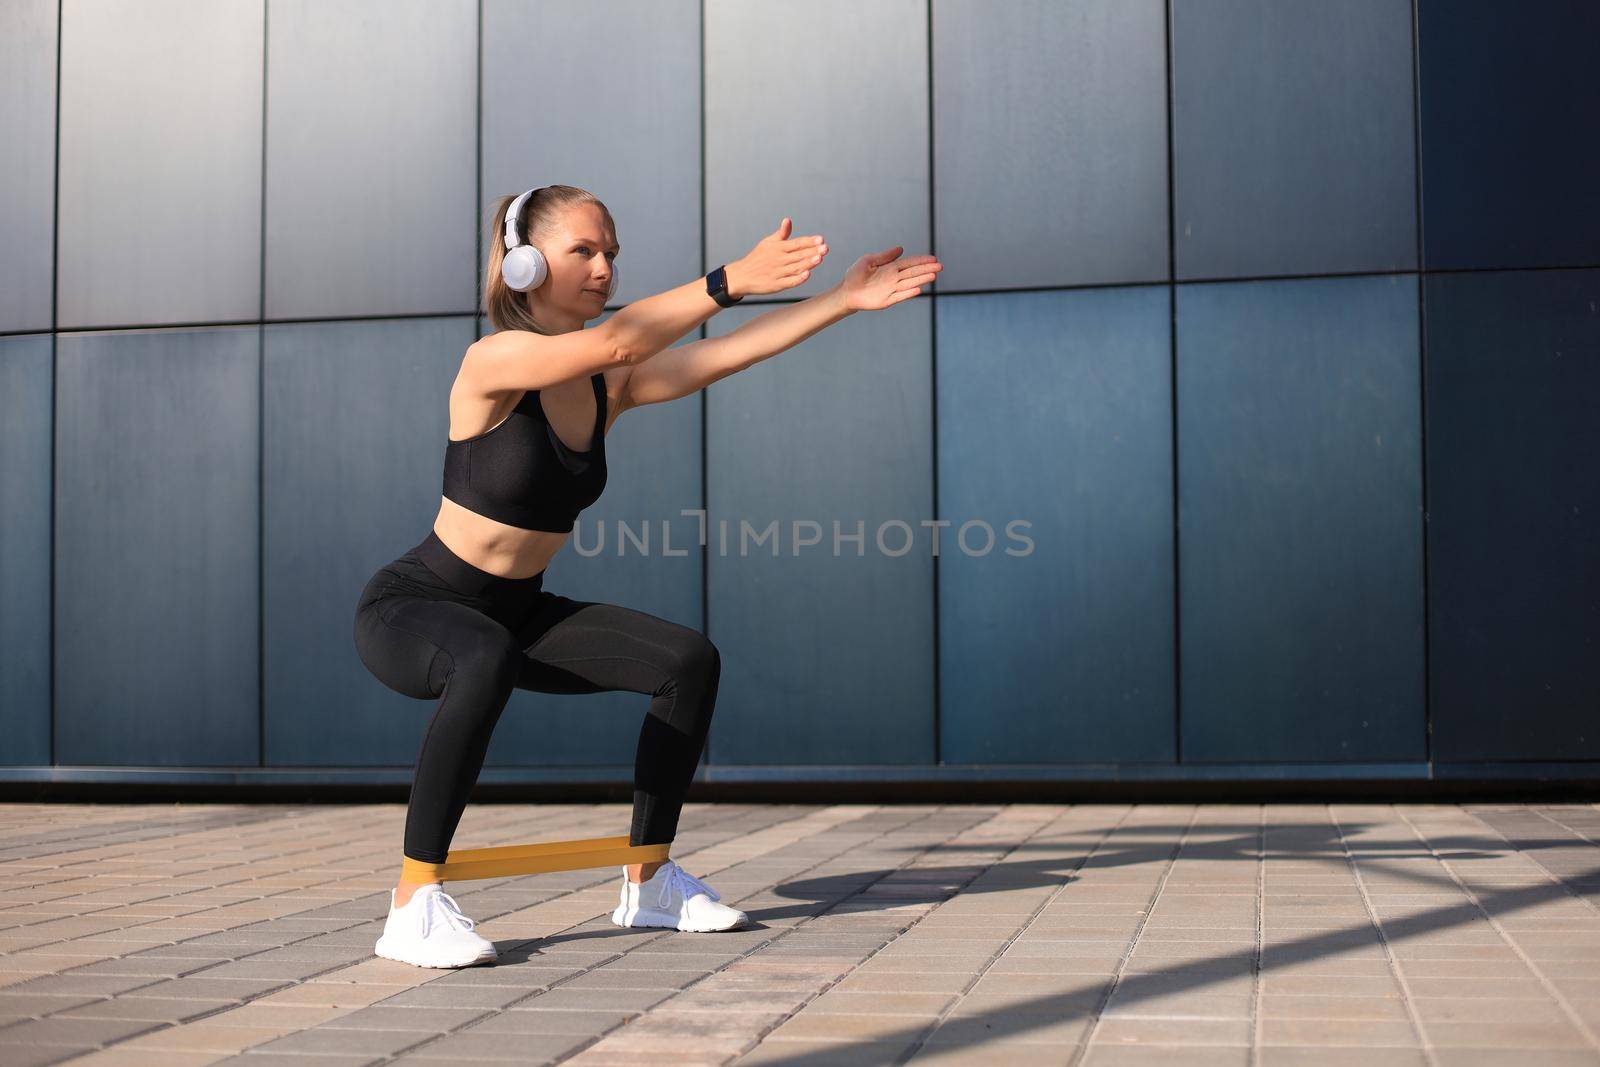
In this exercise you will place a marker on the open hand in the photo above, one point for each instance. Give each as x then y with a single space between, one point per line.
877 279
777 262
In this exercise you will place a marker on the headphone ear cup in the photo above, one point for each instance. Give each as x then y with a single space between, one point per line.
523 268
611 290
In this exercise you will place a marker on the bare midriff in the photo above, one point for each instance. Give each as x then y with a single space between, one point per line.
509 551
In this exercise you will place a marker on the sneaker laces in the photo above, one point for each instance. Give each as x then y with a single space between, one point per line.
684 882
448 911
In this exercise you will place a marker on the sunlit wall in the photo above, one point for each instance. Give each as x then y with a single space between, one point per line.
1254 410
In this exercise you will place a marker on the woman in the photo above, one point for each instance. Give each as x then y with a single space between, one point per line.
464 617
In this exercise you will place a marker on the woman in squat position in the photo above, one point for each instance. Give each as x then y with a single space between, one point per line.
464 617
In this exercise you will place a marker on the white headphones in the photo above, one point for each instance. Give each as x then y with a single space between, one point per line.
523 267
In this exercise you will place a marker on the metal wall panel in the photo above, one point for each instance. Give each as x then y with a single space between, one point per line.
838 143
157 556
1050 142
1293 137
25 417
356 417
1300 579
1510 160
1300 520
1055 644
631 547
1513 495
371 157
160 217
640 101
827 654
28 164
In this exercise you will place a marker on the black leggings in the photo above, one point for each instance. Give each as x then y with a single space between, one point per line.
430 624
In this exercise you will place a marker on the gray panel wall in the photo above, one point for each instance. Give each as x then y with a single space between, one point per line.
827 654
1055 644
1293 139
838 144
1049 179
1028 143
1299 489
635 139
157 621
160 163
355 419
1510 161
25 397
1513 387
28 164
371 157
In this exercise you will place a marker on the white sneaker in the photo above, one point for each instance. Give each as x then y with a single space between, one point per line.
430 931
674 898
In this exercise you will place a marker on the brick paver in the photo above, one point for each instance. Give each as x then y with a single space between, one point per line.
1096 934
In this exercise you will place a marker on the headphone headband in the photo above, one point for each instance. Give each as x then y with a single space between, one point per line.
514 219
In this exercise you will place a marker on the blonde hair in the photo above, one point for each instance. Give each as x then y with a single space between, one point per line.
508 309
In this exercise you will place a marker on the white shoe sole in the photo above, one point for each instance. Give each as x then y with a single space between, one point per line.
622 916
488 955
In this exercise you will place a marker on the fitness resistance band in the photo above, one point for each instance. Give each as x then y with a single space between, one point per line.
540 858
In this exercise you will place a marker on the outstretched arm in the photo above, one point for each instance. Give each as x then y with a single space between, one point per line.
646 327
873 283
679 371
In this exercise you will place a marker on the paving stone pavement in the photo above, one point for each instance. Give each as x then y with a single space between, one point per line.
181 935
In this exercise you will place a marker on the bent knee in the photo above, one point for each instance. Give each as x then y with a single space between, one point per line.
696 658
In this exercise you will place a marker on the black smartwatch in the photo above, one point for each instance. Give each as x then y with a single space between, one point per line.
717 286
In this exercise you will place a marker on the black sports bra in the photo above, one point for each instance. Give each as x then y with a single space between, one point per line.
520 473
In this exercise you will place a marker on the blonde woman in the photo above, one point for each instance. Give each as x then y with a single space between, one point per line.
463 618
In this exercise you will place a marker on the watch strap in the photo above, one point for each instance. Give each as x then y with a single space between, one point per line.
717 287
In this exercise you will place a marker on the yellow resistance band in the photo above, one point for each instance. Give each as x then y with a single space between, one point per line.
540 858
